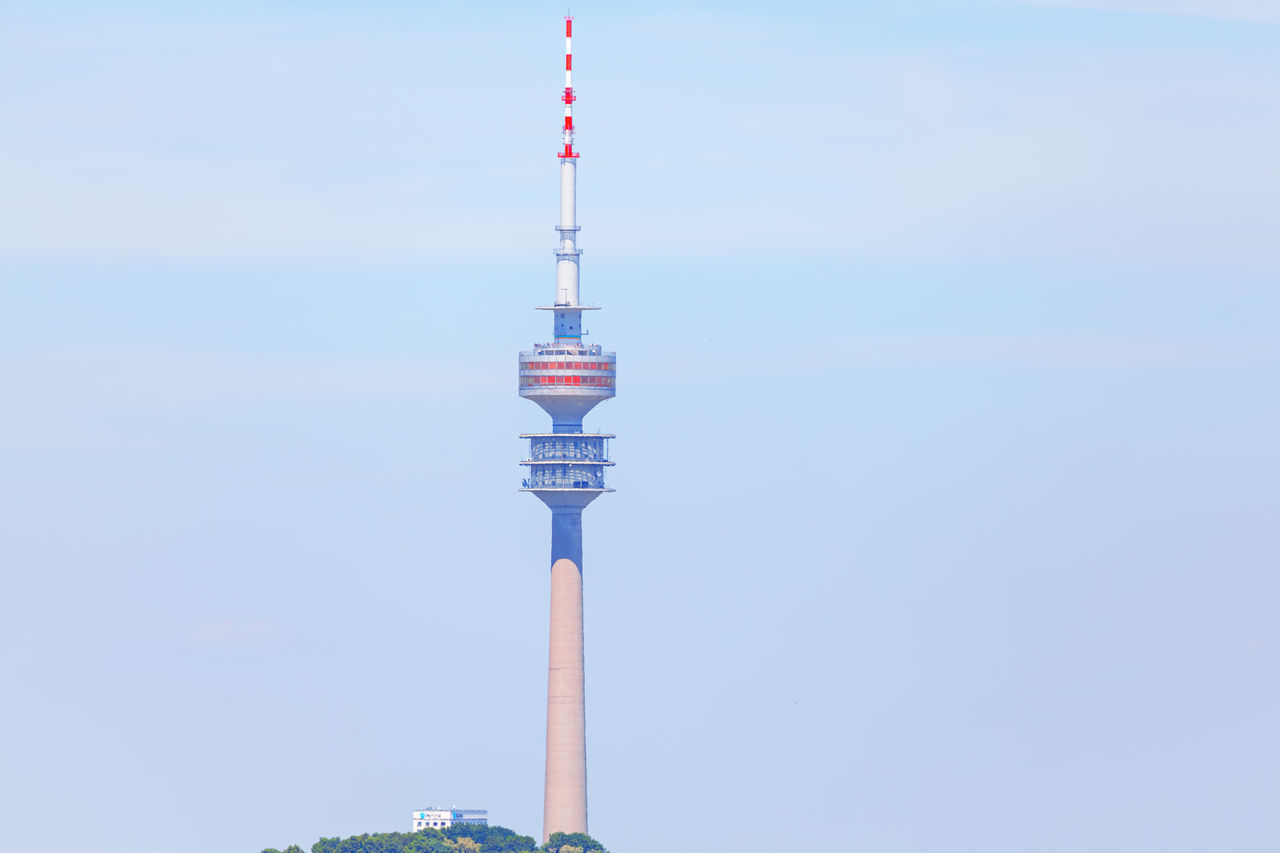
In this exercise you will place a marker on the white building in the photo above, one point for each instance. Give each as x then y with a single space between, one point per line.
440 818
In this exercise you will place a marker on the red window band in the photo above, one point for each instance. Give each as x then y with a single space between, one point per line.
595 381
566 365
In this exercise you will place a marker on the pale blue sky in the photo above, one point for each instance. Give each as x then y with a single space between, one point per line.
947 458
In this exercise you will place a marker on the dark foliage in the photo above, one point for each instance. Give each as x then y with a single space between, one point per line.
578 840
427 841
489 839
492 839
459 838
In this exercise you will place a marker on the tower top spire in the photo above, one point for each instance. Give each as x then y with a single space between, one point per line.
568 97
568 317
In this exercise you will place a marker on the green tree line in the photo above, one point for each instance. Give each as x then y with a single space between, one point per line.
459 838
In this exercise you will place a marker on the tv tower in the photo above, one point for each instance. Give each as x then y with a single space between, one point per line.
567 378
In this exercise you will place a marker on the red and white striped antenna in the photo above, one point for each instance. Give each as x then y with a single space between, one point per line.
568 311
568 97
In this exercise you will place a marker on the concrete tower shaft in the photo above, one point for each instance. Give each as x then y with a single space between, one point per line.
565 469
564 805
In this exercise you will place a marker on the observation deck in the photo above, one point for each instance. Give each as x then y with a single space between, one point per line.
568 380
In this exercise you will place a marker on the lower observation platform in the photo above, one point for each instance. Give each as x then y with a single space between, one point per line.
566 468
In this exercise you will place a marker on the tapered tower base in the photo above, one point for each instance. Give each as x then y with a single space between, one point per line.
565 803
